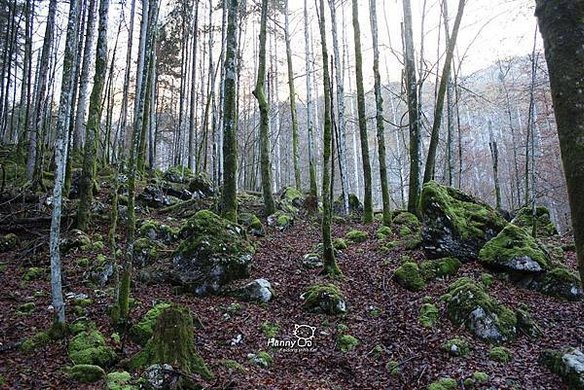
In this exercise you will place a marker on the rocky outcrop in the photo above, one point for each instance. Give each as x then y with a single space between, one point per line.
456 224
568 364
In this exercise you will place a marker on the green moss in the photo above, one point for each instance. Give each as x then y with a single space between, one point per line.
39 340
83 302
383 232
86 373
324 297
486 279
447 266
456 347
172 342
269 330
8 242
428 315
511 243
544 225
141 332
404 231
2 380
560 282
80 326
356 236
500 354
119 380
33 273
89 347
347 343
83 262
266 357
443 384
26 308
467 217
393 367
477 378
409 276
374 312
464 296
404 218
177 173
250 220
232 365
292 195
340 244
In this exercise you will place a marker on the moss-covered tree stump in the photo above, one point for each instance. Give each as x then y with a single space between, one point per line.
173 343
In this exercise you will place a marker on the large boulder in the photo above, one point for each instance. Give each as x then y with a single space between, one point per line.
560 282
260 290
214 252
543 224
468 304
568 364
515 250
456 224
324 298
153 196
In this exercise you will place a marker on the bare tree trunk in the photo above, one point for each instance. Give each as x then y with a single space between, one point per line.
93 121
229 195
367 198
84 78
310 123
330 265
413 109
435 136
560 22
260 94
379 118
341 122
61 158
495 158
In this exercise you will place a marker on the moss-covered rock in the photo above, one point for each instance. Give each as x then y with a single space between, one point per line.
8 242
89 347
340 244
514 250
469 304
486 279
457 346
355 205
500 354
443 384
34 273
177 174
447 266
252 223
568 363
26 308
312 260
141 332
281 220
477 378
409 276
86 373
543 223
356 236
292 197
346 343
154 230
119 380
145 252
525 322
261 358
173 343
324 298
383 232
39 340
428 315
561 282
213 253
456 224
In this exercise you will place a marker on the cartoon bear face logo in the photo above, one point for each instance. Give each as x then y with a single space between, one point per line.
304 332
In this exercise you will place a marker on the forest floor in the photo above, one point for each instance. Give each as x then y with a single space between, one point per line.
382 315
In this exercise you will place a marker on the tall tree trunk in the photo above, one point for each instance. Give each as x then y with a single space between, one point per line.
330 265
293 112
309 112
495 158
193 105
84 78
367 198
260 94
40 97
61 158
438 110
93 121
379 118
341 139
560 22
413 109
229 195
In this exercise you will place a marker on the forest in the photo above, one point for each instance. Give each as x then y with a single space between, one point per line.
291 194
